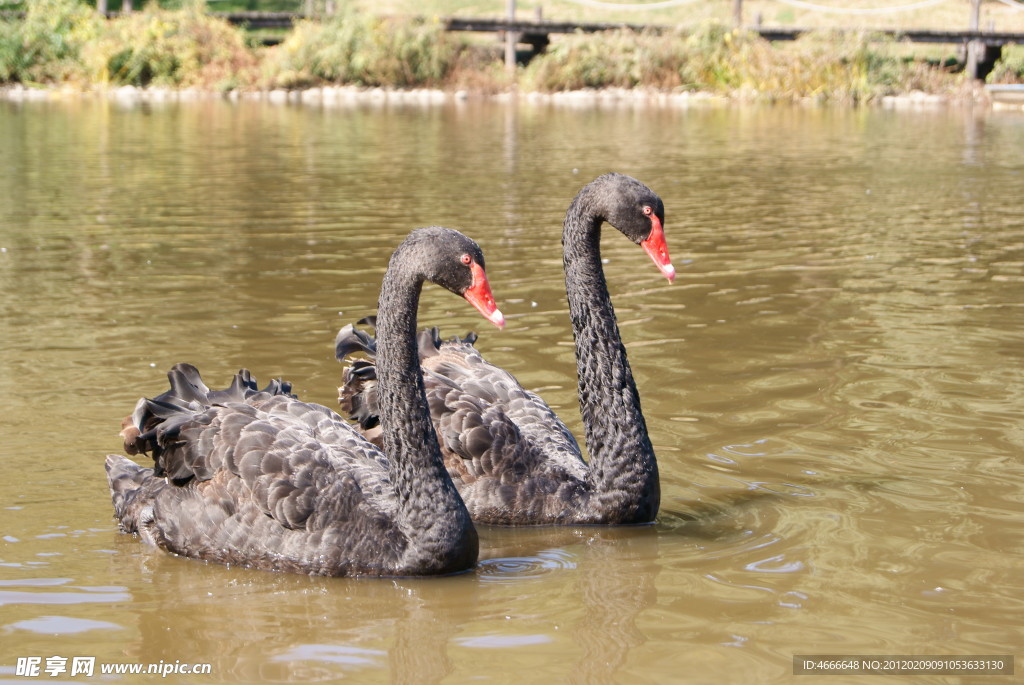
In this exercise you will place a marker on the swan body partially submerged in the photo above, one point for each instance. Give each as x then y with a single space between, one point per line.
512 459
258 478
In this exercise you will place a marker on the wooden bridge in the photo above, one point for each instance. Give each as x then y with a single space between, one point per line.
980 50
987 45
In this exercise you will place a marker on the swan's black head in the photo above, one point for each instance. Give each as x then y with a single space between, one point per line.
636 211
454 262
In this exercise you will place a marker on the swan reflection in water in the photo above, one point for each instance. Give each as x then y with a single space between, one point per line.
284 627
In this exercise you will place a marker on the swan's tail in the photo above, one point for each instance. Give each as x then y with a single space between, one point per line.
357 394
131 489
156 423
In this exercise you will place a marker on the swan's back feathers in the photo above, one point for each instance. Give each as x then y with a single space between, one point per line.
350 339
478 393
155 426
279 446
243 471
511 458
430 341
358 394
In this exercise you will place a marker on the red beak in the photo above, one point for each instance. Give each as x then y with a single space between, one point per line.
656 247
479 295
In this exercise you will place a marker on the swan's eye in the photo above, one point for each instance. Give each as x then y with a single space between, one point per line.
466 259
647 210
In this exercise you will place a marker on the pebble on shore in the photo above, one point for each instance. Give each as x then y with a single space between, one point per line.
341 96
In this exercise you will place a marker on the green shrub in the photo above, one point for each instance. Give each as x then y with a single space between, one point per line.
356 48
623 59
180 48
835 66
46 45
1010 67
10 51
715 58
65 41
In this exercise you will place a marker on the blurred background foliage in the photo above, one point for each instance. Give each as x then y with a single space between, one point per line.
184 44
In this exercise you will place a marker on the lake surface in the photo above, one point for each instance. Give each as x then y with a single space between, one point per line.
834 385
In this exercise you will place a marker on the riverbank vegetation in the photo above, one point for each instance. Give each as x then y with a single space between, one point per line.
64 42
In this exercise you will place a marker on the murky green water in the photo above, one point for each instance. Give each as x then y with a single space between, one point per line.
834 384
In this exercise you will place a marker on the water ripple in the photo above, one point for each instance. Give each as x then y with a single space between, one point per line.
16 597
498 641
338 654
62 625
517 569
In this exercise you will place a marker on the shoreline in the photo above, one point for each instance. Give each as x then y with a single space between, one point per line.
606 98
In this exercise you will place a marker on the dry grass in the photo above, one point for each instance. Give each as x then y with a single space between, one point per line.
183 48
821 65
949 15
363 49
61 41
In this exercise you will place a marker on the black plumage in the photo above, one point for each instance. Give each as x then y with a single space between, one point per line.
513 461
258 478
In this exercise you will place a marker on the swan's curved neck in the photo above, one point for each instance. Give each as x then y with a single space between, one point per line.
430 506
623 469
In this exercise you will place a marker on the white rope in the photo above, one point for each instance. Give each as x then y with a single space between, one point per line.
1014 5
626 6
855 10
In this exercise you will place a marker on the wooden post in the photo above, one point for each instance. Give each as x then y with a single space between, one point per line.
101 7
126 6
510 38
737 13
974 47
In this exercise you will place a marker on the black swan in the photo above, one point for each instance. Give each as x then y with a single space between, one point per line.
513 461
260 479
